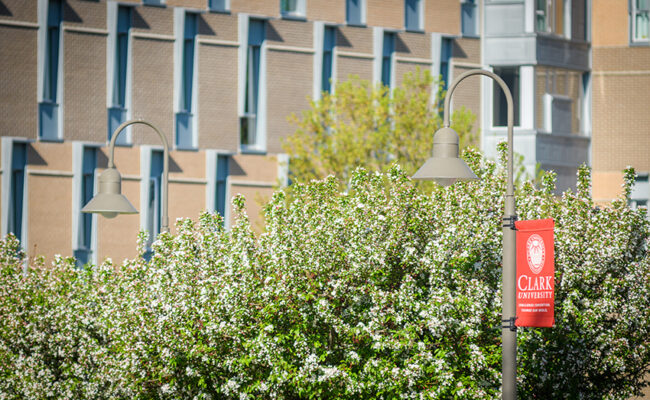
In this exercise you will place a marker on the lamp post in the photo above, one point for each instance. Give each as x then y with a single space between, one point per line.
109 200
446 167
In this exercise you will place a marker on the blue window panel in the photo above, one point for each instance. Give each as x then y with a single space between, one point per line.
121 55
188 62
116 116
445 55
184 136
154 200
386 61
353 12
328 58
248 122
52 51
469 18
510 76
218 5
18 162
89 162
412 15
221 188
48 121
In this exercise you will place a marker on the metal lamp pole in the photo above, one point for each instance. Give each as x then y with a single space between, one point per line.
445 167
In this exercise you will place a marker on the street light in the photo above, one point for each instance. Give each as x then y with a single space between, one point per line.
446 167
109 200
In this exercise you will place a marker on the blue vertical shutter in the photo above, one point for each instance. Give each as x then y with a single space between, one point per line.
18 162
221 188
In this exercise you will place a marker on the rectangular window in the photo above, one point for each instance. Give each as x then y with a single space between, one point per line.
445 56
543 15
83 252
640 192
117 112
292 8
16 190
387 58
154 198
329 41
219 5
413 15
184 117
221 188
469 18
510 76
248 123
640 20
354 12
48 108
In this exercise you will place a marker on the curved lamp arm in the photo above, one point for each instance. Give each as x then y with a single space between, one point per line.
165 178
506 91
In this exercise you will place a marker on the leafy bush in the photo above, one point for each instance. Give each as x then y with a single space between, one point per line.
380 292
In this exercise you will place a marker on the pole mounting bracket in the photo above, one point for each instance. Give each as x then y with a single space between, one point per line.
509 222
511 324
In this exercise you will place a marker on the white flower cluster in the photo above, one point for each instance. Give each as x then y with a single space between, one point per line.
384 291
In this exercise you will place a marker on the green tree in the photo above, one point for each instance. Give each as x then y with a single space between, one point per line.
370 126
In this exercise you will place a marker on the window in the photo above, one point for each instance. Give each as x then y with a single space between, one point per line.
387 58
510 76
640 192
549 16
640 20
355 12
117 113
445 56
153 2
219 5
413 15
329 41
17 189
292 8
153 221
469 18
249 128
184 117
221 188
83 252
48 108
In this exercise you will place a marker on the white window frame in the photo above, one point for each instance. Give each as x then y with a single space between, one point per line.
300 12
634 11
6 164
77 185
259 147
43 10
319 50
126 138
179 43
224 8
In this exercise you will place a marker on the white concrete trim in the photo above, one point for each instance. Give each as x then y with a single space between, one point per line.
352 54
152 36
49 172
216 42
319 34
19 24
83 29
290 49
377 51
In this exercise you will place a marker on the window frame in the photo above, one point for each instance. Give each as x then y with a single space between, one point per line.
224 8
362 13
299 12
252 75
419 14
469 4
634 12
50 121
119 71
185 116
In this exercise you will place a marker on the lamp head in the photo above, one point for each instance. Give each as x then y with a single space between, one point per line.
109 200
445 167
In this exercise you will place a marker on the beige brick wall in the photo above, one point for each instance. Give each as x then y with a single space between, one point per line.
18 83
20 10
84 112
469 95
606 186
290 33
467 50
385 13
324 10
217 92
218 26
49 198
442 16
256 7
609 23
156 20
354 39
346 66
404 67
288 89
87 14
409 44
621 59
197 4
153 89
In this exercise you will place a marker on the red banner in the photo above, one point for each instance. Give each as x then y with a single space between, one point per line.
535 273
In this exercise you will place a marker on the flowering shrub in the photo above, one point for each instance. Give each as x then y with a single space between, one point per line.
380 292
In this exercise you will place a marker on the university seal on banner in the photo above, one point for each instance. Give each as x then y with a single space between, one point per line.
535 253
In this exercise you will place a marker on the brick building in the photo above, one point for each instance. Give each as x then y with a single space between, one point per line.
217 77
621 117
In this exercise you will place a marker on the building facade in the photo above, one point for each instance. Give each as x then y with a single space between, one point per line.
621 121
217 77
